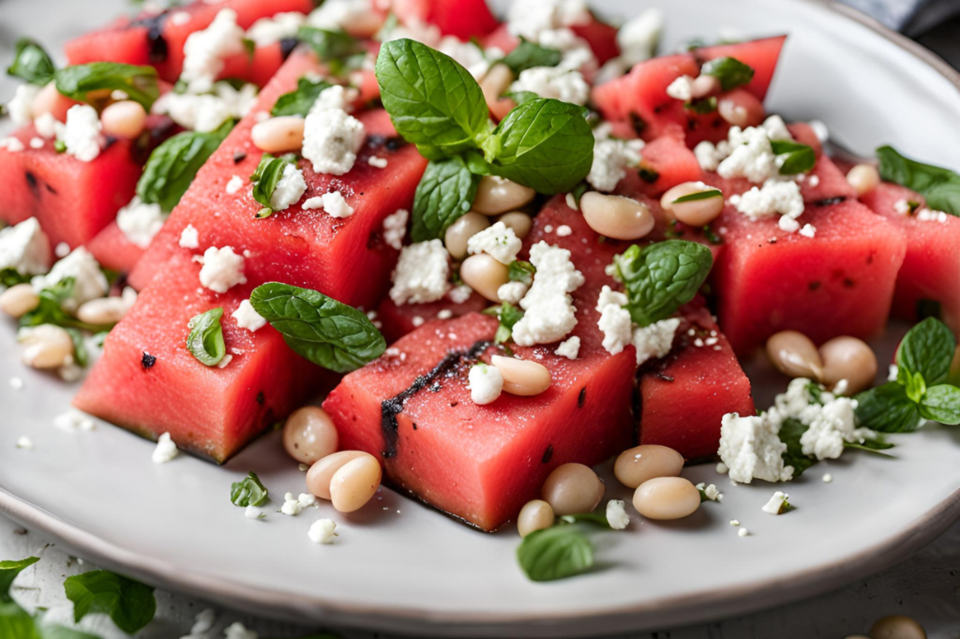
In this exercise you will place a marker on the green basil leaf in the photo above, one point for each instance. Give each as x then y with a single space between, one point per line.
701 195
876 446
887 409
16 623
731 72
927 349
662 277
9 571
139 83
528 55
520 271
791 430
329 45
11 277
521 96
555 553
913 384
940 186
800 157
432 100
50 309
445 193
80 356
265 180
544 144
597 519
299 102
129 603
32 63
249 492
941 403
174 164
509 315
703 105
205 340
319 328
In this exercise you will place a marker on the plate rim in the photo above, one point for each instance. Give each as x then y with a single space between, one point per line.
682 609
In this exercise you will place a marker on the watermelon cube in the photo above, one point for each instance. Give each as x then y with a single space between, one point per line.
464 19
114 251
396 321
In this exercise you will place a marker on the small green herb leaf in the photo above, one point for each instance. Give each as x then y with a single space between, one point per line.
9 571
249 492
445 193
927 349
329 45
265 180
940 186
319 328
528 55
520 271
521 96
205 340
702 106
173 165
555 553
16 623
887 409
31 63
509 315
731 72
50 309
139 83
299 102
80 355
941 403
700 195
129 603
11 277
596 519
800 158
662 277
876 446
791 430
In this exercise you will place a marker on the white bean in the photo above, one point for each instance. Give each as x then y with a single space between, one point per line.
460 232
18 300
694 213
320 474
620 218
795 355
897 627
124 119
485 275
355 483
573 489
851 359
637 465
45 346
310 435
666 498
522 377
278 135
520 222
497 195
864 178
104 310
535 515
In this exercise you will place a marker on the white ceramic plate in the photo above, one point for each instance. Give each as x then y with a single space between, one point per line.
402 567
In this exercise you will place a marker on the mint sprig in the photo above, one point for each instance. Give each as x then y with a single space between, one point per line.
265 180
731 72
138 82
940 186
249 491
557 552
130 604
205 340
299 101
528 55
445 193
31 63
797 158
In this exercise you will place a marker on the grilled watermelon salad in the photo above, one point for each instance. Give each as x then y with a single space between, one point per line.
501 251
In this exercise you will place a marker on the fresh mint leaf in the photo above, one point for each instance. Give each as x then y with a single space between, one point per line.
731 72
520 271
941 403
319 328
596 519
11 277
913 384
139 83
445 193
928 349
554 553
249 492
329 45
9 571
509 315
876 446
702 106
50 309
432 100
205 340
80 356
662 277
528 55
299 102
521 96
700 195
130 604
940 186
174 164
31 63
16 623
791 430
265 180
544 144
800 158
887 409
62 632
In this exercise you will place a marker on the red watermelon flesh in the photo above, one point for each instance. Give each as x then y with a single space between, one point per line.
671 161
761 55
114 251
148 382
154 39
684 396
839 282
464 19
931 268
397 321
344 258
601 37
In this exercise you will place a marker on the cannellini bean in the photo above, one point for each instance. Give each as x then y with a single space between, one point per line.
705 85
104 310
321 473
485 275
695 212
522 377
497 195
535 515
19 300
355 483
795 355
864 178
851 359
278 135
124 119
666 498
520 222
310 435
897 627
497 80
637 465
573 488
740 108
460 232
45 346
620 218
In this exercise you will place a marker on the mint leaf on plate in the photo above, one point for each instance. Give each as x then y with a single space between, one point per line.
927 349
130 604
265 179
887 409
445 193
205 340
940 186
138 82
9 571
731 72
249 492
555 553
31 63
941 403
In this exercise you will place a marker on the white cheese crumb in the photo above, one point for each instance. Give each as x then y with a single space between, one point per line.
486 383
445 314
20 108
165 451
617 515
902 207
833 424
557 82
655 341
751 448
204 621
710 491
550 313
267 31
189 237
743 532
498 241
89 282
180 18
808 230
788 225
734 522
421 274
222 269
681 88
611 157
237 630
25 248
820 130
331 141
377 162
564 231
73 420
204 51
323 531
569 349
25 442
36 143
16 383
614 322
926 215
234 185
290 188
512 292
333 203
61 250
293 506
335 98
11 144
140 222
776 196
418 321
776 503
252 512
828 478
81 136
248 318
395 228
208 111
460 294
48 126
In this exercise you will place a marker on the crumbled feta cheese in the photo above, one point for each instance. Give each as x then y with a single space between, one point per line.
569 349
73 420
777 503
926 215
12 144
252 512
564 231
165 451
708 155
788 225
323 531
290 188
36 143
377 162
827 478
422 273
681 88
710 491
331 141
776 196
550 313
334 15
808 230
734 522
48 126
892 373
530 18
486 383
470 55
16 383
414 29
820 130
189 237
902 207
267 31
204 621
743 532
335 98
25 442
656 340
20 108
512 292
614 322
140 222
180 18
746 152
206 112
611 158
576 52
89 282
639 36
81 135
445 314
335 205
834 423
751 448
234 185
460 294
222 269
25 248
237 630
617 515
498 241
205 50
395 228
248 318
553 82
294 505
